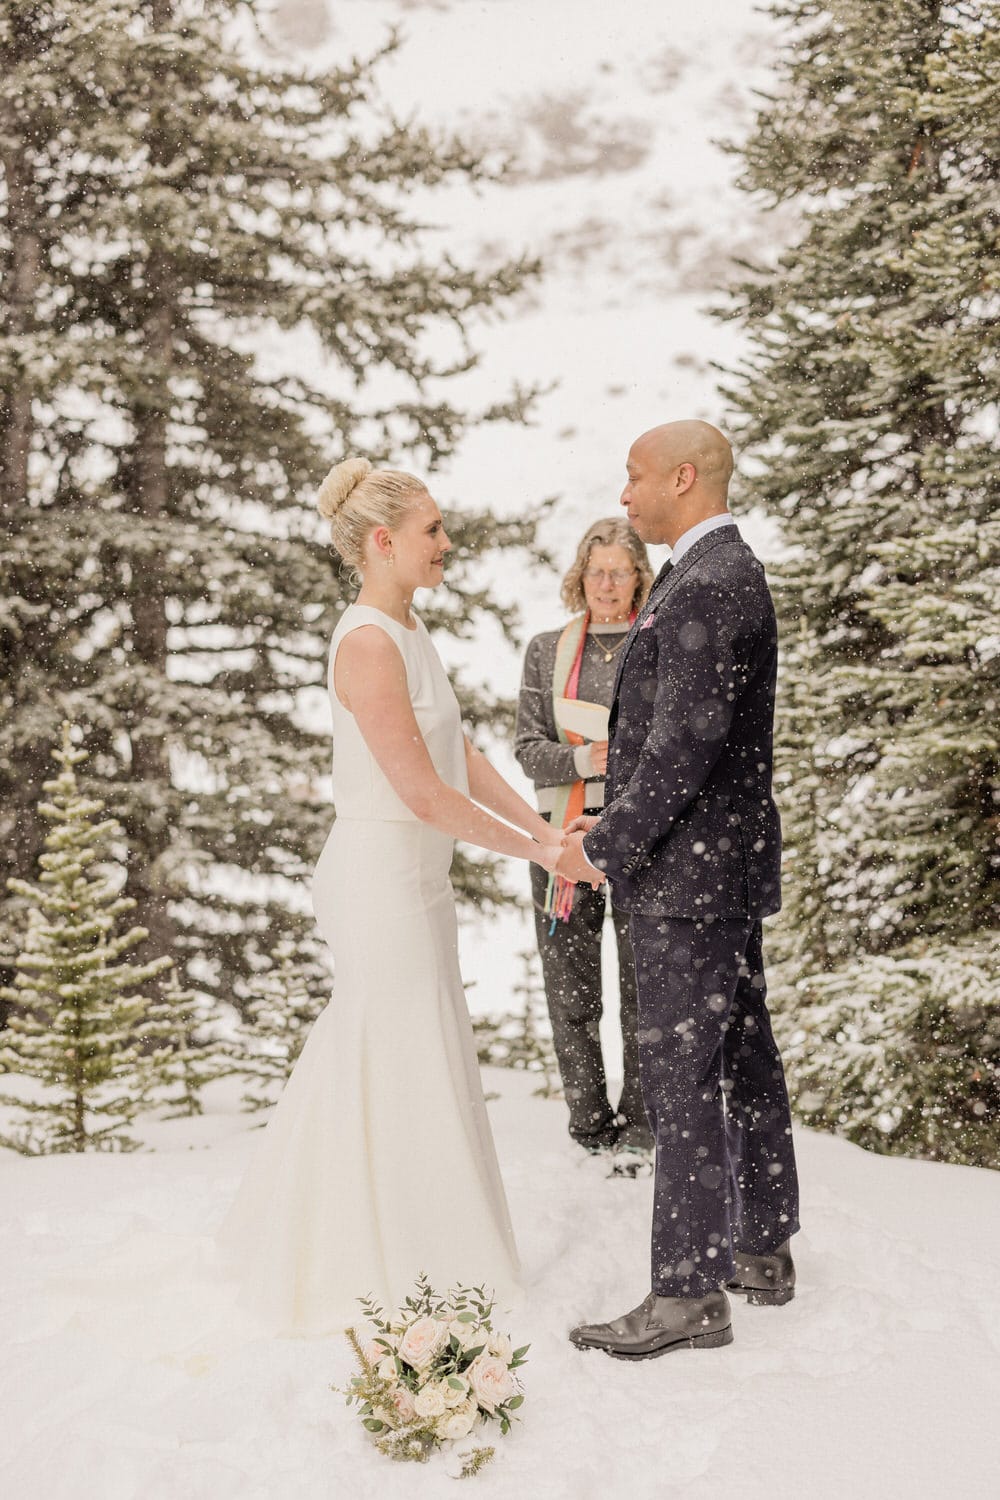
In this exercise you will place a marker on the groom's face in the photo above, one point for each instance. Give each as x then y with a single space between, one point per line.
647 493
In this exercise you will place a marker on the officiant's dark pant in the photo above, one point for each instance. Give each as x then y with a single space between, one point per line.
571 968
715 1094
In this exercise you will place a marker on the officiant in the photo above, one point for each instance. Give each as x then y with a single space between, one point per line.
562 745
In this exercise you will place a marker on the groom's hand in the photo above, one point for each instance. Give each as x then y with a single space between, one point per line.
581 825
573 863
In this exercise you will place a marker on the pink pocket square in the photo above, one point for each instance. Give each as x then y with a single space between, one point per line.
647 622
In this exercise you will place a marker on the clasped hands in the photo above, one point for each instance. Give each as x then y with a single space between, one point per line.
563 855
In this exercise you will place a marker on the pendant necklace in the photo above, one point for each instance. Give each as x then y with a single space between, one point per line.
609 655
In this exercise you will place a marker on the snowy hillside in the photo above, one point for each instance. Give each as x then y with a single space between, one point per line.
614 116
880 1381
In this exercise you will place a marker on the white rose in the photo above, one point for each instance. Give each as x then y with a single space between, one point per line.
422 1342
491 1381
429 1402
386 1367
468 1334
372 1352
454 1395
499 1344
457 1423
403 1403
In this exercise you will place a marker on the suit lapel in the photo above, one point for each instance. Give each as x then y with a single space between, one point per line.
655 594
667 578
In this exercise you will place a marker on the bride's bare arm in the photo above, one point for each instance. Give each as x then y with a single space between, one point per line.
370 681
489 788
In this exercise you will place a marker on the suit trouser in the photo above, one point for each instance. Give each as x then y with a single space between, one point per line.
571 969
715 1094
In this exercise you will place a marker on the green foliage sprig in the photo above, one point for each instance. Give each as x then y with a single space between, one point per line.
434 1373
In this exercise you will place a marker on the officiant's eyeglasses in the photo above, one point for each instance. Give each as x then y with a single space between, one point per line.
614 575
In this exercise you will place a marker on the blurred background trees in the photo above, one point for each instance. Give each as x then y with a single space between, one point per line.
216 281
213 288
869 403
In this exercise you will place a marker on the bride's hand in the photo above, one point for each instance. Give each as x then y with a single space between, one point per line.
547 854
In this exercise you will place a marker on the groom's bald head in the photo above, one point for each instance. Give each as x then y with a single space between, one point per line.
698 444
679 475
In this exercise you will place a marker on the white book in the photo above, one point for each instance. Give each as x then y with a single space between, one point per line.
578 716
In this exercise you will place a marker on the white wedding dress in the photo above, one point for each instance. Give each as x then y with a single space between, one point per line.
378 1162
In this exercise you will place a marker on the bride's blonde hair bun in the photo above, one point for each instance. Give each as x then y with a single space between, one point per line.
355 498
338 485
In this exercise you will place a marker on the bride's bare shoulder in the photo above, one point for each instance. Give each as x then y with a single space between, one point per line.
368 643
366 659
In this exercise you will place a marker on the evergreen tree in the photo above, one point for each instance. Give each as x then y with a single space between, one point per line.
184 1056
35 642
77 1030
229 292
870 403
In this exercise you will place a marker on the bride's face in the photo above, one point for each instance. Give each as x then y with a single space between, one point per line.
419 544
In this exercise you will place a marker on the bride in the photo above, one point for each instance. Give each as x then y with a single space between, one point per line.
378 1162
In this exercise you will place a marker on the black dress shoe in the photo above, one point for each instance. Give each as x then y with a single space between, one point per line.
660 1324
766 1280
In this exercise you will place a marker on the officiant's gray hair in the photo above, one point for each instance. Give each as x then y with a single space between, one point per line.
614 531
355 498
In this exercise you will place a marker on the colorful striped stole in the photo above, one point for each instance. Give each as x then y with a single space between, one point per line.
569 799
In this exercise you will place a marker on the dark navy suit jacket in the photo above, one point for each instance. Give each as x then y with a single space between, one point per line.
689 827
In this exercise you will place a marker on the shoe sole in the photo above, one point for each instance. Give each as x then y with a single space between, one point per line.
698 1341
761 1296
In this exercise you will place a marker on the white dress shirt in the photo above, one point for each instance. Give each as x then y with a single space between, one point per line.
687 539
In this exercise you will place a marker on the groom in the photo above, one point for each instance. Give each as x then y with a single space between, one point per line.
691 843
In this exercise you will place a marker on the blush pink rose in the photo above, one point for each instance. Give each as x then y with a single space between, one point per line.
402 1404
491 1381
422 1342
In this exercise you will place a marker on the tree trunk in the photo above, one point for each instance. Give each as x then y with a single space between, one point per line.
21 276
24 263
22 271
150 759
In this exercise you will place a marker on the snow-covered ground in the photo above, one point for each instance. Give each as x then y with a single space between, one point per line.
881 1381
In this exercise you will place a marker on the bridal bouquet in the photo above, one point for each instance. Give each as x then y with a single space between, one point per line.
433 1375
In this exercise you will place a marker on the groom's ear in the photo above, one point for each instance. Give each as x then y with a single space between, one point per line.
685 477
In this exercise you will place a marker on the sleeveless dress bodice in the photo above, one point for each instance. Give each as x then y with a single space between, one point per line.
360 787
